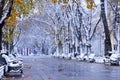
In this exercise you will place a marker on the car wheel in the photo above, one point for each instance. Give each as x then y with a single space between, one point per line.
9 69
21 71
70 58
117 64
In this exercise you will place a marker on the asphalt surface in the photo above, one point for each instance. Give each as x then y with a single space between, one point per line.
41 68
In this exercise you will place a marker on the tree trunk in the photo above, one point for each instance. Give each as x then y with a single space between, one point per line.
2 23
0 37
2 4
108 46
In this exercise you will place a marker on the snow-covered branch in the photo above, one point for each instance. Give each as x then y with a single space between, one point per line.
5 11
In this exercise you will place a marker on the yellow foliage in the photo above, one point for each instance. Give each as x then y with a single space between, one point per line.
54 1
7 40
25 24
64 5
12 20
19 7
9 34
72 0
90 4
6 35
88 0
64 1
59 0
78 2
17 32
18 1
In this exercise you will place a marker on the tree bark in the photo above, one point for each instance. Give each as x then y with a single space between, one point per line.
107 46
2 4
0 37
1 24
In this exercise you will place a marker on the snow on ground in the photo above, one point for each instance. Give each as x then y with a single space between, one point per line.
99 59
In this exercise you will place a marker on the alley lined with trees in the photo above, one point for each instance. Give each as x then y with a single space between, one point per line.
73 27
83 30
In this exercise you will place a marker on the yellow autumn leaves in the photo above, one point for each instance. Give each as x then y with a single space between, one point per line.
12 20
90 4
54 1
19 7
10 34
62 1
18 1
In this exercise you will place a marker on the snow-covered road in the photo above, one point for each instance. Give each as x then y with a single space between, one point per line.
41 68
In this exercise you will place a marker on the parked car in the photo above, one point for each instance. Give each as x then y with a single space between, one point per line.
114 59
86 57
56 55
62 55
1 71
14 64
3 64
91 58
68 56
65 56
74 55
106 60
81 57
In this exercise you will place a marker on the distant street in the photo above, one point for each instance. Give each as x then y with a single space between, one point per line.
39 68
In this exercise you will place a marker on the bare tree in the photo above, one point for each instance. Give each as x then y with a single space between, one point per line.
108 46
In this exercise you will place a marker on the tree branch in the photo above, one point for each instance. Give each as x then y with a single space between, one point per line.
6 10
95 28
17 38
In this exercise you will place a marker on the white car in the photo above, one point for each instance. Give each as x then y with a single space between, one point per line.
106 60
86 58
2 64
73 56
65 56
1 71
81 57
56 55
61 56
70 56
14 64
91 57
114 59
